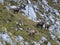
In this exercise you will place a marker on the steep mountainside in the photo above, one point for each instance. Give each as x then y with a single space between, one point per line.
16 27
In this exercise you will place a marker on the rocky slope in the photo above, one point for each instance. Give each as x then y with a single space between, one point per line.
14 28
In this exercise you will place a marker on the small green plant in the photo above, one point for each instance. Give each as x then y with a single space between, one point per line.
13 3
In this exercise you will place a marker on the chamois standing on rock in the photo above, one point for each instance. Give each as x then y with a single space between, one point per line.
40 24
16 10
21 6
47 26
